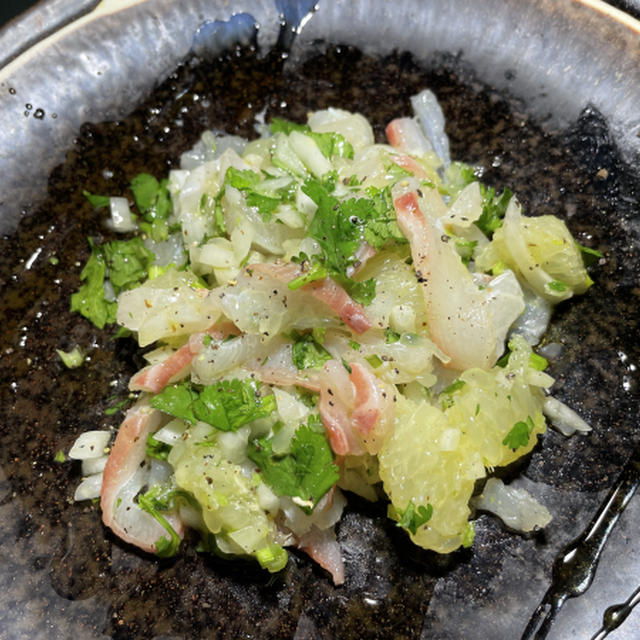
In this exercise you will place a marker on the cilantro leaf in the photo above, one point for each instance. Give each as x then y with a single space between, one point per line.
90 299
391 336
306 472
211 207
307 352
538 362
162 498
469 535
589 256
413 517
336 226
493 209
265 205
157 449
315 272
176 400
519 434
128 262
226 405
374 360
145 191
96 201
557 285
332 143
246 180
242 179
287 126
363 292
71 359
382 225
465 249
446 397
154 202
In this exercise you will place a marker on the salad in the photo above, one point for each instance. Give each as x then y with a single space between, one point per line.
322 314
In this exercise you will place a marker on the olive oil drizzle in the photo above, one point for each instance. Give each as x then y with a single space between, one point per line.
575 566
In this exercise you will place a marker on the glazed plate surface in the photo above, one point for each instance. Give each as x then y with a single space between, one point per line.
542 95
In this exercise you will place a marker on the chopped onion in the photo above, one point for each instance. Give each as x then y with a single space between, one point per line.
91 466
429 113
171 432
121 218
90 444
533 322
551 351
517 508
89 488
564 419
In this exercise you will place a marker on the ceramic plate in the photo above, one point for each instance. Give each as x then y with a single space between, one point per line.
542 95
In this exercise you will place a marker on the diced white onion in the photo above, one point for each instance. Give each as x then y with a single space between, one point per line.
121 219
90 444
89 488
563 418
171 432
551 351
517 508
533 322
429 113
353 126
91 466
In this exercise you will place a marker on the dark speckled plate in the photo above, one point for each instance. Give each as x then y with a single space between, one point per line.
544 95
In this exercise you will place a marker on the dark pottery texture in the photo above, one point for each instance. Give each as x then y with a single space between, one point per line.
563 150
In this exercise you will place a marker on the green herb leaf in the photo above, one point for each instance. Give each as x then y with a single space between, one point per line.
157 499
316 272
557 285
307 353
537 362
456 385
128 262
391 336
493 209
332 144
519 434
71 359
469 535
381 224
589 256
157 449
264 204
226 405
96 201
374 360
363 292
414 517
154 202
176 400
306 472
90 300
243 179
145 190
287 126
246 180
446 397
465 249
116 407
59 457
125 263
